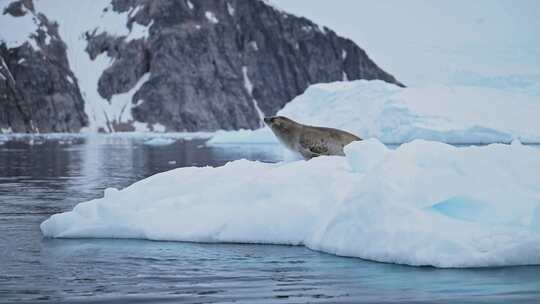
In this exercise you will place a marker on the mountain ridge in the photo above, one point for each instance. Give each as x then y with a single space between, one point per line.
174 65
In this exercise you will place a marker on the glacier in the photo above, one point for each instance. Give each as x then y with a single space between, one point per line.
423 203
450 114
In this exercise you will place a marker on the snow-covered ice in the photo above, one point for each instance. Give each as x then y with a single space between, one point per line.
424 203
451 114
259 136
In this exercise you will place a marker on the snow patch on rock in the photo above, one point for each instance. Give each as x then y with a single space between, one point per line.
18 30
211 17
249 88
230 9
139 31
119 108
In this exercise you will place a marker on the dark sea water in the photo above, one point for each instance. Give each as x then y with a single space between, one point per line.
41 177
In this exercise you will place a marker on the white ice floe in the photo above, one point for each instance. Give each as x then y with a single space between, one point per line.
160 141
259 136
451 114
425 203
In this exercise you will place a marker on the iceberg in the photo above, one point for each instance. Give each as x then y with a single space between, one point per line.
450 114
423 203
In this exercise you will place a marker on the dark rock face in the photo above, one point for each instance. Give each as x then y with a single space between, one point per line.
212 64
209 60
38 91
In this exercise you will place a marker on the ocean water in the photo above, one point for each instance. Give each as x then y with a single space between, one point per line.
41 177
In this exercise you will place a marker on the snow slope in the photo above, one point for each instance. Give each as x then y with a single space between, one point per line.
451 114
75 21
425 203
21 29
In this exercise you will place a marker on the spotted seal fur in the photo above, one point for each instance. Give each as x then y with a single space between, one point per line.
309 141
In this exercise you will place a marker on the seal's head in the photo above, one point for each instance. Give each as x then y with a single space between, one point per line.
283 128
280 124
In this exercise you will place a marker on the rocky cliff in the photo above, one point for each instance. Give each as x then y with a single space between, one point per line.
174 65
38 92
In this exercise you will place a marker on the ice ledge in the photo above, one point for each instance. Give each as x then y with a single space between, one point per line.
450 114
425 203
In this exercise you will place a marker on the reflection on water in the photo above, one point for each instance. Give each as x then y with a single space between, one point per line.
40 178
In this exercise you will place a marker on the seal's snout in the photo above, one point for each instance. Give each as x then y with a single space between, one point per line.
268 120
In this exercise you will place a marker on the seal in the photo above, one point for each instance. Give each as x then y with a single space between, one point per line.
309 141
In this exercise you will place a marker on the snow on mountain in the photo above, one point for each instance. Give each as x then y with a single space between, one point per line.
21 29
76 21
451 114
425 203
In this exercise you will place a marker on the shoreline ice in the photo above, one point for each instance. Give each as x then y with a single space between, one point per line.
126 135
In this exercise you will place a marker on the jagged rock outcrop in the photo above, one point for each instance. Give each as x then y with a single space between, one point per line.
207 65
212 63
38 91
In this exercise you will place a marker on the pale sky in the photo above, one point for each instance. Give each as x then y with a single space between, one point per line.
428 41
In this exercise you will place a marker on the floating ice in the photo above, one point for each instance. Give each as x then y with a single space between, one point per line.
160 141
259 136
425 203
395 115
